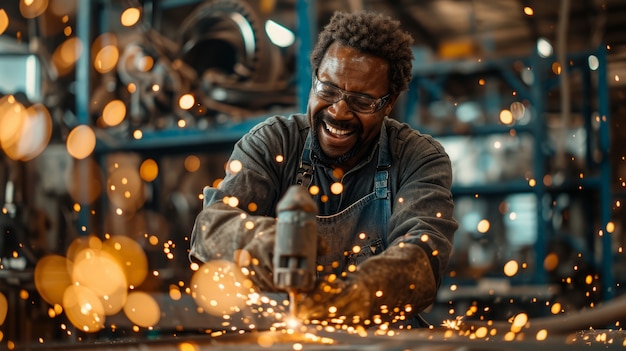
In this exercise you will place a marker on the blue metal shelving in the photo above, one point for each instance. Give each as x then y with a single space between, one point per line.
431 78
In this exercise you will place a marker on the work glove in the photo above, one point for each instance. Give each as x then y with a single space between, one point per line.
256 259
337 299
398 282
225 232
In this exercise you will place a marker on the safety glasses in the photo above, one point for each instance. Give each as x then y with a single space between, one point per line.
356 102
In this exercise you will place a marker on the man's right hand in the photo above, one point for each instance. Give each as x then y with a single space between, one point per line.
256 260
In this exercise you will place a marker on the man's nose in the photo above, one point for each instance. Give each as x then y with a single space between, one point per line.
340 109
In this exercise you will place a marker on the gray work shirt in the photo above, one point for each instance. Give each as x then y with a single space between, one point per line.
420 178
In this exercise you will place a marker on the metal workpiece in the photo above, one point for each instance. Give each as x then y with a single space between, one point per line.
439 339
295 249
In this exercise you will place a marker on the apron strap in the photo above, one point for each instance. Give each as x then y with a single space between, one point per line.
305 169
381 182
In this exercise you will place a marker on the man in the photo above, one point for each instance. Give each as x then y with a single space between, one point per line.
382 189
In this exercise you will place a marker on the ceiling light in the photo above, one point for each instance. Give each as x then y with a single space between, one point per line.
279 35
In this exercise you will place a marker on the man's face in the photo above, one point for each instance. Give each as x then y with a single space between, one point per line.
342 136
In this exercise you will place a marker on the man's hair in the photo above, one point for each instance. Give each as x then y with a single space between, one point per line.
371 33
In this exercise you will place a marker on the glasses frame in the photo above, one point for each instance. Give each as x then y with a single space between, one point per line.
376 103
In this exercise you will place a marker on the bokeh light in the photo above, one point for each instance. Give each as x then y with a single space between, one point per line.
610 227
149 170
98 271
137 134
130 17
220 288
483 226
186 101
594 62
188 346
79 244
4 308
12 116
544 48
142 309
314 190
175 293
506 117
192 163
125 189
4 21
31 131
81 141
84 309
556 308
33 8
519 321
235 166
551 262
528 11
130 256
336 188
511 268
65 55
52 277
114 113
106 58
542 335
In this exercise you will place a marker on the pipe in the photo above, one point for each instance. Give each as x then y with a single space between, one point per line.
565 88
598 317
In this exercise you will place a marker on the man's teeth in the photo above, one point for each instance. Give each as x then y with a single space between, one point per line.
336 131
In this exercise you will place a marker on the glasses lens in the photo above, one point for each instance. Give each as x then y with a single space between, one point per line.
327 92
361 103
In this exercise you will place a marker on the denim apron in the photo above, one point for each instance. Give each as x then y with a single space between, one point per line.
360 230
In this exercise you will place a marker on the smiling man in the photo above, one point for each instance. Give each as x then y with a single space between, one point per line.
382 189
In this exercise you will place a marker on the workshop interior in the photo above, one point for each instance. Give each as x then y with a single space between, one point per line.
114 114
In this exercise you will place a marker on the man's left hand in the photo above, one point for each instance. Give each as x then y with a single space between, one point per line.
398 281
348 300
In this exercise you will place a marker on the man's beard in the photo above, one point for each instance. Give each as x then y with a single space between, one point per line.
316 148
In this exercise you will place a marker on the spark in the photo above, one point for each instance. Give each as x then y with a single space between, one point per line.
454 324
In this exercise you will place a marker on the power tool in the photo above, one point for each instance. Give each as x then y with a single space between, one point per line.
295 249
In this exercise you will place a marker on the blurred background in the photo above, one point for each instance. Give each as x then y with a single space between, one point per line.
115 114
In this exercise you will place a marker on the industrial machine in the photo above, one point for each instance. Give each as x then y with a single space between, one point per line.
295 249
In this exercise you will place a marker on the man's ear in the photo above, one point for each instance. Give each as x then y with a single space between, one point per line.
390 104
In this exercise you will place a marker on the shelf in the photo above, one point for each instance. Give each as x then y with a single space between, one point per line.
183 139
522 186
476 130
504 187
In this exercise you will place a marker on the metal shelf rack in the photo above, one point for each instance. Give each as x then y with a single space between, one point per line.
429 79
